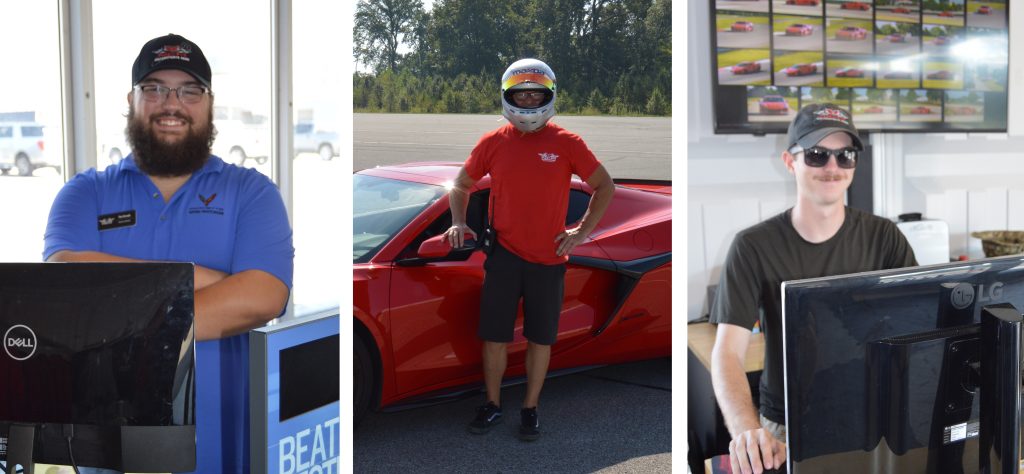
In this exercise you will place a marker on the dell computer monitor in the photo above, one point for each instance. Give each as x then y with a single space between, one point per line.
892 371
101 353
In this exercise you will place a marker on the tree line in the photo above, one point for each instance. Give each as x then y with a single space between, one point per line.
610 56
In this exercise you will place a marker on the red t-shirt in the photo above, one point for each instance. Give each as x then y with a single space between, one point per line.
531 175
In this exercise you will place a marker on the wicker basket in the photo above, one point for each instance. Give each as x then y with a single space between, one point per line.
1001 242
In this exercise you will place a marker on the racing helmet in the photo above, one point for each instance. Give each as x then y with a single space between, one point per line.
528 74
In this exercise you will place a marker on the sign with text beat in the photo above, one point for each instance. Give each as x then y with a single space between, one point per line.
295 396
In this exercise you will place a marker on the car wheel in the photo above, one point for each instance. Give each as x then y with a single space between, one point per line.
362 372
5 171
326 152
237 156
115 156
24 166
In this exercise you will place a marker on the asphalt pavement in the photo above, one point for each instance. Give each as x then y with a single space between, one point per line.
614 419
629 147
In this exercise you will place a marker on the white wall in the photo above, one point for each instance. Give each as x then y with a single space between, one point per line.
971 181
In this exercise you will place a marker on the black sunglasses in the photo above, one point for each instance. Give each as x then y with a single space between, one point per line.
817 156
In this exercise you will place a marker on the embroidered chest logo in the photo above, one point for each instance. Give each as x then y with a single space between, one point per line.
548 157
206 208
207 200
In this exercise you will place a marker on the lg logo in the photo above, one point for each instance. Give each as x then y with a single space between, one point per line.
963 295
20 342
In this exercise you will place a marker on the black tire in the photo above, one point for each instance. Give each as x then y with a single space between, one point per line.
24 166
363 379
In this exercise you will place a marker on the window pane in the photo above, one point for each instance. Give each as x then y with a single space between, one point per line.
319 164
239 59
31 135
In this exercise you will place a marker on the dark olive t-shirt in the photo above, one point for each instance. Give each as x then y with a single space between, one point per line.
765 255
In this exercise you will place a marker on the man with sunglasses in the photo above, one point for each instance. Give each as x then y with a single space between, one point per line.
171 200
819 236
531 163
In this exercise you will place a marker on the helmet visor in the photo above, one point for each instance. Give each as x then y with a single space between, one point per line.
531 77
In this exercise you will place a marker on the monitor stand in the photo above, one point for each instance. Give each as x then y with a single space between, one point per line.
20 440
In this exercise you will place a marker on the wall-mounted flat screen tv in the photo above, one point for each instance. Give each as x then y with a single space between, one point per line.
897 65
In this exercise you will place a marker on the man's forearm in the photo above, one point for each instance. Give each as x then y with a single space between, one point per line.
458 200
733 393
203 276
238 303
595 210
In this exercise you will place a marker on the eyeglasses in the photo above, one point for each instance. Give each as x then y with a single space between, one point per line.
523 95
189 94
817 156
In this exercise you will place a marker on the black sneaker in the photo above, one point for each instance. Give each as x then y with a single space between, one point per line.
529 427
487 416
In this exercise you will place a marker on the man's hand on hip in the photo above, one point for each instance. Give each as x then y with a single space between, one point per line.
755 450
456 235
568 240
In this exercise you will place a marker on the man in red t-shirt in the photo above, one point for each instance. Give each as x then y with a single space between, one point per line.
531 163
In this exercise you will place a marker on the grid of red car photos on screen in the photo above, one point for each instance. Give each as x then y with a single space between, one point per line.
890 60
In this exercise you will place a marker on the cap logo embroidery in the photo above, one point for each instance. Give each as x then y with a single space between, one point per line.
832 114
173 52
548 157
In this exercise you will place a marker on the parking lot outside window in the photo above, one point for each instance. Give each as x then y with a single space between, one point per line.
31 134
319 164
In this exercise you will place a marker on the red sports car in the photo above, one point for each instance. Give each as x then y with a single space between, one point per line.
416 301
773 104
901 10
742 26
801 70
874 109
851 33
897 38
799 29
942 75
855 6
746 67
803 3
984 10
946 13
850 72
921 110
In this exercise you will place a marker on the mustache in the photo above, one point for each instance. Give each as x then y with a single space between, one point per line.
831 177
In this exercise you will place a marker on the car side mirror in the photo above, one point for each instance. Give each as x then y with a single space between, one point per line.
434 247
437 247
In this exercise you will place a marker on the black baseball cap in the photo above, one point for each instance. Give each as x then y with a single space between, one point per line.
171 52
817 121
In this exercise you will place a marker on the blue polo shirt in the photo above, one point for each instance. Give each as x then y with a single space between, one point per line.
224 217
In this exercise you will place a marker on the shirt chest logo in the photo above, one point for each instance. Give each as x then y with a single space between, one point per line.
548 157
207 207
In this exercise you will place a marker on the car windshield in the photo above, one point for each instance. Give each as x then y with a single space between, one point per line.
382 207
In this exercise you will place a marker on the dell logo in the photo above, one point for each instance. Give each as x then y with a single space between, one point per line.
19 342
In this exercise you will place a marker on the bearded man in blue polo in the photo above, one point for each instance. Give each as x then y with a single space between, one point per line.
171 200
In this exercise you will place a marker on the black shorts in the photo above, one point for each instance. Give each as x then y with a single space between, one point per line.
507 279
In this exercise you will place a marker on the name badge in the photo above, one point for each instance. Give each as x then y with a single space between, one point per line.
116 220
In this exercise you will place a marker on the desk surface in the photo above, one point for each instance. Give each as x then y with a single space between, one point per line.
700 338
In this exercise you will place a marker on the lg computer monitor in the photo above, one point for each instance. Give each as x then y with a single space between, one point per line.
97 365
900 371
